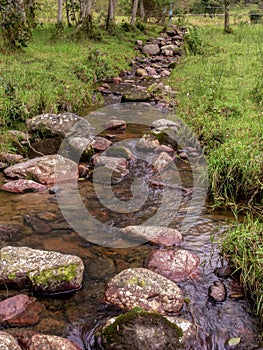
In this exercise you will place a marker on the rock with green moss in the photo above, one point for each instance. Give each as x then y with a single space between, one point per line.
42 271
136 330
139 287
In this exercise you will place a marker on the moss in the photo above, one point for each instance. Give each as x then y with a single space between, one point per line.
12 276
121 333
136 280
64 273
117 151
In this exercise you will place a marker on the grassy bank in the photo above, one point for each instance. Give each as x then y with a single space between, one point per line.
220 95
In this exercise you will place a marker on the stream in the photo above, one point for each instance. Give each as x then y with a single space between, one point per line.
106 253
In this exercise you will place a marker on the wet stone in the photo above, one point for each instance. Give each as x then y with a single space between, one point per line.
51 342
115 124
11 232
217 292
37 224
23 186
8 342
177 265
20 310
162 161
224 271
156 234
100 144
43 271
139 287
109 169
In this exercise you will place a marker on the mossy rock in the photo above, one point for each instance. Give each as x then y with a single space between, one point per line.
136 330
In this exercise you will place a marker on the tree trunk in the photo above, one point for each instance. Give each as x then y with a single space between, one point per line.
60 13
226 16
134 12
85 24
142 12
111 15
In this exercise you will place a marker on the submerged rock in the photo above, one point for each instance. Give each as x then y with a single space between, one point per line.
51 342
20 310
139 287
109 169
11 232
175 265
43 271
141 330
8 342
162 161
46 170
217 292
165 236
23 186
115 124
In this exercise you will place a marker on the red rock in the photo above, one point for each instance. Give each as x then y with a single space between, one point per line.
23 186
100 143
19 311
178 266
11 158
51 342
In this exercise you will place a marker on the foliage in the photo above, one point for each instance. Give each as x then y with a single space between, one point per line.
192 41
242 246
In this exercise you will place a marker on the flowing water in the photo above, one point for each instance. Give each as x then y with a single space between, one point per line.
105 253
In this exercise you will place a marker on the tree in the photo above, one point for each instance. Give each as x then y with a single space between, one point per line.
227 28
16 29
134 12
110 22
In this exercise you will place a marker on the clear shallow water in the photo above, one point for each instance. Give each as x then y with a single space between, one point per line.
44 227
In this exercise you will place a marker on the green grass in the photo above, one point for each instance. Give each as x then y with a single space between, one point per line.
243 248
220 95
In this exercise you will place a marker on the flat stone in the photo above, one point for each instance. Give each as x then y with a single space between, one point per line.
100 144
64 125
20 310
23 186
115 124
11 158
43 169
178 265
136 95
51 342
151 49
163 124
139 287
165 236
43 271
8 342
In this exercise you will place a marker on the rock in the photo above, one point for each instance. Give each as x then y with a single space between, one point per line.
175 265
44 271
120 152
162 161
156 234
139 287
115 124
37 224
165 73
139 42
11 232
109 169
20 310
151 49
78 149
43 169
189 329
147 143
140 72
168 53
135 95
23 186
83 171
100 144
20 135
8 342
64 125
217 292
11 158
51 342
3 166
224 271
151 71
141 330
163 124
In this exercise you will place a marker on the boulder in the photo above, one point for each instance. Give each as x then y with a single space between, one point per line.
43 271
63 125
11 158
78 149
165 236
100 144
23 186
151 49
43 170
175 265
51 342
20 310
135 95
8 342
139 287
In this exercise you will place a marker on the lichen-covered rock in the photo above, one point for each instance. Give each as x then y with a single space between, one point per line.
51 342
43 271
165 236
23 186
63 125
140 330
136 95
20 310
8 342
139 287
46 170
175 265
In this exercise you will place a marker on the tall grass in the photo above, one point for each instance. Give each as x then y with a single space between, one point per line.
220 97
